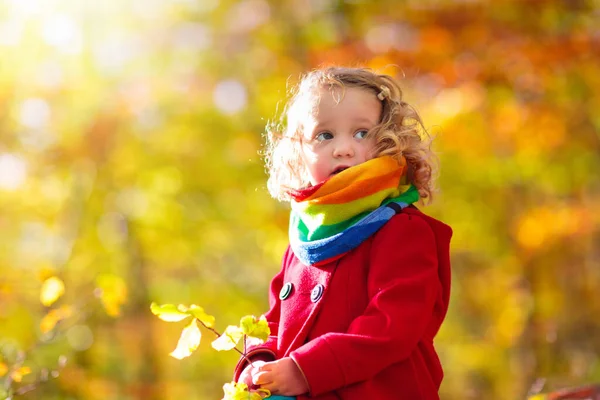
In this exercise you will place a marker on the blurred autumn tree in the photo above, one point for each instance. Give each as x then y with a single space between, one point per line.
129 171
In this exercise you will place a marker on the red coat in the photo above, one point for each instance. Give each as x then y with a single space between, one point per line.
362 327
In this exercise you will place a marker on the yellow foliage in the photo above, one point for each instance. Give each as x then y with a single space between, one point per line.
240 391
229 339
531 232
19 373
53 317
188 341
16 375
538 226
510 324
52 289
384 65
169 312
113 293
116 153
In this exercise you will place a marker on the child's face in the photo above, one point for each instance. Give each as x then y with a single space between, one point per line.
335 134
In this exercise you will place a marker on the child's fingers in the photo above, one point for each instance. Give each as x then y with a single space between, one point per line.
262 378
271 387
264 366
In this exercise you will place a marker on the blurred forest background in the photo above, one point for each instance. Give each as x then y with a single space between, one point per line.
130 172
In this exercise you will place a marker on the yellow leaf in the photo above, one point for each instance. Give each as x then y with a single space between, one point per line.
168 312
18 375
198 312
258 329
54 317
113 293
52 289
188 341
240 391
229 339
3 369
247 324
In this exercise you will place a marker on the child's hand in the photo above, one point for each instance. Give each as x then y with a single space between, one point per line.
246 375
280 377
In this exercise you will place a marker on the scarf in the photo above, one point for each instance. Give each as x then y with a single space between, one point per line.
330 219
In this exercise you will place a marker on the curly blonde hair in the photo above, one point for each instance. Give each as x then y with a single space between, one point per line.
400 132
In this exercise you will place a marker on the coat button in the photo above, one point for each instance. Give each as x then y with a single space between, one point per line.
285 291
316 293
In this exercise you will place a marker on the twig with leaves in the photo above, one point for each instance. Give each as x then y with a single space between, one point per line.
251 331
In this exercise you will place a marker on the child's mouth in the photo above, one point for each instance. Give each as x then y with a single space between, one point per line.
339 169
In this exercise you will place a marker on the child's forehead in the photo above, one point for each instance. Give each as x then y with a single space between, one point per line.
331 97
325 94
314 101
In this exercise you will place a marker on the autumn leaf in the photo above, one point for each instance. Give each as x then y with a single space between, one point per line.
168 312
229 339
240 391
188 341
113 293
52 289
53 317
18 375
254 328
198 312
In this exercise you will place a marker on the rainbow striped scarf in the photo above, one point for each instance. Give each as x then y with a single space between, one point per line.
332 218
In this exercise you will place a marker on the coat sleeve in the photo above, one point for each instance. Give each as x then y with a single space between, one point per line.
403 287
268 350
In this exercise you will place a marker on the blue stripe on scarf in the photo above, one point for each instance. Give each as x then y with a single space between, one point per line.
316 251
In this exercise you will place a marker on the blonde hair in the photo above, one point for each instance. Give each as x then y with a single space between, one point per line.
400 132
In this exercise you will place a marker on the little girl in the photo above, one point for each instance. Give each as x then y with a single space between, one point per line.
365 281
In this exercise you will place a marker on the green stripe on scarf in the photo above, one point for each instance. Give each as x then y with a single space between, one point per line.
316 218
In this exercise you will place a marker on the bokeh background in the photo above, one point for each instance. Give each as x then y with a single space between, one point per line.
130 133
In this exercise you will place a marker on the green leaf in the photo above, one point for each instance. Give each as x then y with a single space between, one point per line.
198 312
240 391
247 324
168 312
252 327
229 339
188 341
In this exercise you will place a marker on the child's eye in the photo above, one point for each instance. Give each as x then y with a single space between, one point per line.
323 136
361 134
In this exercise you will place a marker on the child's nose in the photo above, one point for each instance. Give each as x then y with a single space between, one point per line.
343 148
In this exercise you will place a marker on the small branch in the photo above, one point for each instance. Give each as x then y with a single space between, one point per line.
243 354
